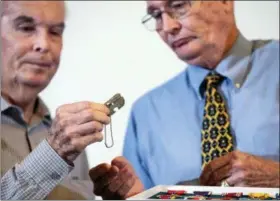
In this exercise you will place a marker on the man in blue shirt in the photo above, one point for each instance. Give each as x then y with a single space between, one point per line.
217 121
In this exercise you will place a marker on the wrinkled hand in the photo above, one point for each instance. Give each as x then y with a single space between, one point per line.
241 169
76 126
115 181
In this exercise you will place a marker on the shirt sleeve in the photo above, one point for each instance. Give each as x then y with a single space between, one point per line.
36 176
132 154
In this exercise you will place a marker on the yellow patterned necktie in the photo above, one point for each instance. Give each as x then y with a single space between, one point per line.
216 134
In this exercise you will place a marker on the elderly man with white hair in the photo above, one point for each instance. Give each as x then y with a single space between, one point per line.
41 158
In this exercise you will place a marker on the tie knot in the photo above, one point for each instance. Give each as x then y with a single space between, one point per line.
213 80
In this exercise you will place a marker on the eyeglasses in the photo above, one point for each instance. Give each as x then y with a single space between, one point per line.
176 10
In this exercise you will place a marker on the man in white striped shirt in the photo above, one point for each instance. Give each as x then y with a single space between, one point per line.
37 154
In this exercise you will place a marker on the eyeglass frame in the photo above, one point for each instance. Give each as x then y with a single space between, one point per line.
169 12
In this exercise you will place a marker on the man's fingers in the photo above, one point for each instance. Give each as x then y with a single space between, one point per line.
100 107
117 182
64 120
236 178
77 131
128 182
84 105
87 116
128 176
120 162
74 107
95 115
122 183
99 171
82 142
219 175
214 166
102 183
241 184
114 183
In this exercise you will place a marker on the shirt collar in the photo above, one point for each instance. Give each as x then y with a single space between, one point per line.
4 104
234 66
40 108
196 75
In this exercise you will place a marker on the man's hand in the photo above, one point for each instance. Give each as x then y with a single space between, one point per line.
115 181
241 169
76 126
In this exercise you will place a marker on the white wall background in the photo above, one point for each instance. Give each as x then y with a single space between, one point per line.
107 50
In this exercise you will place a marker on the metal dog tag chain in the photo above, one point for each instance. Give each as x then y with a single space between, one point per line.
114 104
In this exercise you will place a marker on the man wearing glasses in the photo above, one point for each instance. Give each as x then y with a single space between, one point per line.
217 122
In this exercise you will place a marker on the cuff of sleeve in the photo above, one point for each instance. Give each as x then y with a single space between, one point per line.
44 166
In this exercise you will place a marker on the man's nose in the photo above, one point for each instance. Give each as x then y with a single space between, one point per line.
42 42
170 25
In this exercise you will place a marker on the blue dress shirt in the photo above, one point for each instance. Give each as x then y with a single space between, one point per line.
163 139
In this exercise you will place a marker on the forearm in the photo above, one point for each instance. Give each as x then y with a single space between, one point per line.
36 176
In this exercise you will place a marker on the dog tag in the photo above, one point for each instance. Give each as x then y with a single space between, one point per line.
114 104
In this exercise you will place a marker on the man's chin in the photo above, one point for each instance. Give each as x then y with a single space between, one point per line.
191 59
34 83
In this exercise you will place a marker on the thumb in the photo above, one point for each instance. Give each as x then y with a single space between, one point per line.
120 162
98 171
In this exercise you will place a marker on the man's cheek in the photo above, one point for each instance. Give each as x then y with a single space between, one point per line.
56 54
194 24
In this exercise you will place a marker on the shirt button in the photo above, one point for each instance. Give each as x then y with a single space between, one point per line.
55 176
237 85
75 178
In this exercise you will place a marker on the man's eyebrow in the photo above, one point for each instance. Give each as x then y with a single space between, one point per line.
59 25
27 19
23 19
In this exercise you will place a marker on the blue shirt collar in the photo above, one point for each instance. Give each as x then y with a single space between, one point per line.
234 66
